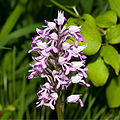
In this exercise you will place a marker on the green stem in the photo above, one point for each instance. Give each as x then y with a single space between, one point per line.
59 103
64 8
74 8
59 110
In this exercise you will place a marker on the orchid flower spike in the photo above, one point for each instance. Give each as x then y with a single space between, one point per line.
52 49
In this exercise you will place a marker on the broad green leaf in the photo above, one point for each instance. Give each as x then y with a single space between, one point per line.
113 93
90 34
107 19
110 56
115 5
98 72
71 21
19 33
113 34
11 21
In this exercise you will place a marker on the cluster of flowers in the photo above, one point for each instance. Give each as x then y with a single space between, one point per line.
58 53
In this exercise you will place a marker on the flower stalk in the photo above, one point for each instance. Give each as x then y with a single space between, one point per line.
60 113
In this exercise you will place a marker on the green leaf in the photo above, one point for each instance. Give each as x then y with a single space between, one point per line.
11 21
90 104
115 5
113 34
90 34
107 19
98 72
19 33
86 5
71 21
22 102
110 56
7 65
99 113
113 93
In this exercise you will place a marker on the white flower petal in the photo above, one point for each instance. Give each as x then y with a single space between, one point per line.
64 27
54 95
73 29
77 64
51 25
66 45
41 45
73 98
54 36
79 48
76 79
61 60
60 18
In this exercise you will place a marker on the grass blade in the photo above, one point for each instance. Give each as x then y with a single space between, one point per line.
13 73
19 33
21 110
89 108
11 21
99 113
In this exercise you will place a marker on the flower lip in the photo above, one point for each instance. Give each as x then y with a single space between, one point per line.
55 96
66 45
41 44
73 98
51 25
76 79
39 31
53 36
73 29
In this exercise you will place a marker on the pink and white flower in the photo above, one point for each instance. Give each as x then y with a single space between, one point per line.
57 78
60 18
75 99
79 79
47 96
53 50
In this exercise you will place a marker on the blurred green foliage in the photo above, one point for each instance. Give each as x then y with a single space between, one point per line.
100 20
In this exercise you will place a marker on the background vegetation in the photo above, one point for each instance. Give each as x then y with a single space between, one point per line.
100 20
